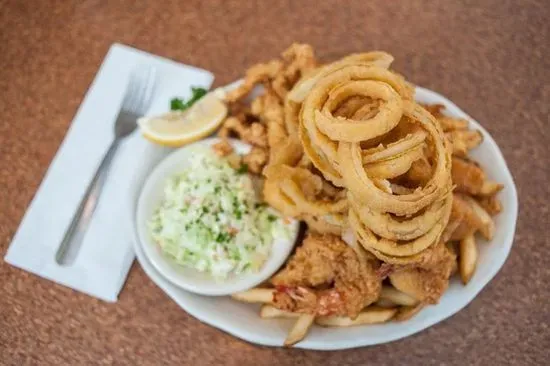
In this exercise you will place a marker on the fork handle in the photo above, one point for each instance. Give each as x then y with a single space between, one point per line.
81 220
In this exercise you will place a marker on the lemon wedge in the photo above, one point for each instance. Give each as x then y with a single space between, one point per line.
178 128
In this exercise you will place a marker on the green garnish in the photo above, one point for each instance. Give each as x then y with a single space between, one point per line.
243 169
223 237
178 104
271 218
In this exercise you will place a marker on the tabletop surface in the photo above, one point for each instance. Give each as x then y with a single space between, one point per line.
490 57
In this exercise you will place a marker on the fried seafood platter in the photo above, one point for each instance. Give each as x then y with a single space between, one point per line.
392 203
396 211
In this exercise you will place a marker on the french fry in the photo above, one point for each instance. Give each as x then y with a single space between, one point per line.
489 188
300 329
487 226
390 293
467 176
270 312
383 303
407 312
464 140
457 216
491 204
462 230
370 315
452 124
255 295
467 259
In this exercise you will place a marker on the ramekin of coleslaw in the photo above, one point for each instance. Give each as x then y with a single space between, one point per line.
207 230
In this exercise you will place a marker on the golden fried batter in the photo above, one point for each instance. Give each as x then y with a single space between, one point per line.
255 75
491 204
300 59
256 159
428 282
464 140
467 176
253 133
222 148
321 261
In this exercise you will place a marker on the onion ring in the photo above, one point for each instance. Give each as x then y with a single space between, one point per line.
358 182
363 236
382 153
277 199
393 248
291 189
297 188
392 168
384 225
343 129
320 148
304 86
319 158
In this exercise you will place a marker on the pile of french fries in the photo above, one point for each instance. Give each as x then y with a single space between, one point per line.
392 305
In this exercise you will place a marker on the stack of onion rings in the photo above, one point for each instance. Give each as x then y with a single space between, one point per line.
346 115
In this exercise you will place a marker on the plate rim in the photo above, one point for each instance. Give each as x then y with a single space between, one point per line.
475 287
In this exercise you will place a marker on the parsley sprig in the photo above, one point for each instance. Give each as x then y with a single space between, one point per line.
178 104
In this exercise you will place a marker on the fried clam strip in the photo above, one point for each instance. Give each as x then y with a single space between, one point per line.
265 125
300 60
256 74
471 217
362 187
427 283
491 204
253 132
464 140
344 83
280 75
323 260
447 123
292 113
471 179
456 130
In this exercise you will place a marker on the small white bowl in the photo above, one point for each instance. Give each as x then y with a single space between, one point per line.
188 278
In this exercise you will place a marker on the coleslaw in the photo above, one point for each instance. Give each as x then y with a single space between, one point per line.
211 219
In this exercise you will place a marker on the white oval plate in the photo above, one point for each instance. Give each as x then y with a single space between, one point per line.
188 278
243 321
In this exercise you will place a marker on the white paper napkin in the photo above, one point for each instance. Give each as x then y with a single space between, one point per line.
106 253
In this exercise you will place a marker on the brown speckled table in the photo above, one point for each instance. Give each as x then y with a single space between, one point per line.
491 57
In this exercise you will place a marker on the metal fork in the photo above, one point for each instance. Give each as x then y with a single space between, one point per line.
136 102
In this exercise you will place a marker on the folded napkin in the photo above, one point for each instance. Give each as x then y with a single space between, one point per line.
106 253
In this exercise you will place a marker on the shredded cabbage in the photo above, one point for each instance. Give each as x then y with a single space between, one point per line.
211 219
